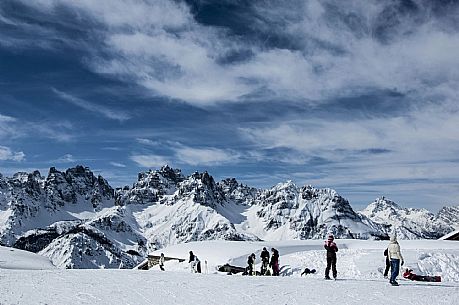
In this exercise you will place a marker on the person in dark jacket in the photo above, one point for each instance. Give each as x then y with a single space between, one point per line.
195 263
251 264
331 248
386 271
161 262
274 263
264 261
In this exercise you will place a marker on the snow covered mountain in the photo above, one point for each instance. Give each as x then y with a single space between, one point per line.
409 223
79 221
289 212
66 217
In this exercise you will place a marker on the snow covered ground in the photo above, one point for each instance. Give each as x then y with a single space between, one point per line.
359 271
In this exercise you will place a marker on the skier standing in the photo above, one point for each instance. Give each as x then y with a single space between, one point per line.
251 264
331 248
275 262
264 261
395 257
161 262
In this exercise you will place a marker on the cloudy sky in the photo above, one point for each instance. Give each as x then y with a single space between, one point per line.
359 96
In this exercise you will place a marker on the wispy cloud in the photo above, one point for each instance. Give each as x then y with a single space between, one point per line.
339 49
8 128
6 154
61 131
183 154
7 119
149 160
99 109
117 164
12 128
144 141
67 158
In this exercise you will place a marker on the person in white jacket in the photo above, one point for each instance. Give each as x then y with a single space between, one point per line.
395 257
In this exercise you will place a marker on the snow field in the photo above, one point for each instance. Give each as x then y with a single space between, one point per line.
360 280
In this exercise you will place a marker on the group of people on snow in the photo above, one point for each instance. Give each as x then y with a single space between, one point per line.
268 266
270 263
394 260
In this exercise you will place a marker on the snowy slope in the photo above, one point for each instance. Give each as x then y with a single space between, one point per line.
16 259
359 282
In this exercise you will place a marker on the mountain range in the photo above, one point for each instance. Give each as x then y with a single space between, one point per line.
79 221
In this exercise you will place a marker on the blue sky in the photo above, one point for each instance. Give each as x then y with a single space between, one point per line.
362 97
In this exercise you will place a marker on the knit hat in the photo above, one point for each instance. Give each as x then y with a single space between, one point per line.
330 237
393 238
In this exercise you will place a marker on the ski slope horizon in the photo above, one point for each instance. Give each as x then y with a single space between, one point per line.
360 280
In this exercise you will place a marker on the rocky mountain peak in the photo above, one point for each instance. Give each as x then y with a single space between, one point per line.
151 186
382 207
449 215
202 189
237 192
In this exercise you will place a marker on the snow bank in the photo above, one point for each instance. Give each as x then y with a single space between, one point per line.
18 259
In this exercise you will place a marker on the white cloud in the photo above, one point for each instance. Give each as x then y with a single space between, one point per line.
6 119
8 127
106 112
205 156
146 141
410 147
149 160
117 164
6 154
12 128
61 131
160 46
67 158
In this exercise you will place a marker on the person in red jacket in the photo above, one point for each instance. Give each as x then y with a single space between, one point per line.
331 248
274 263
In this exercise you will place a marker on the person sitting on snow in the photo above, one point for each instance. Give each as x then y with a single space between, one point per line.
408 274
